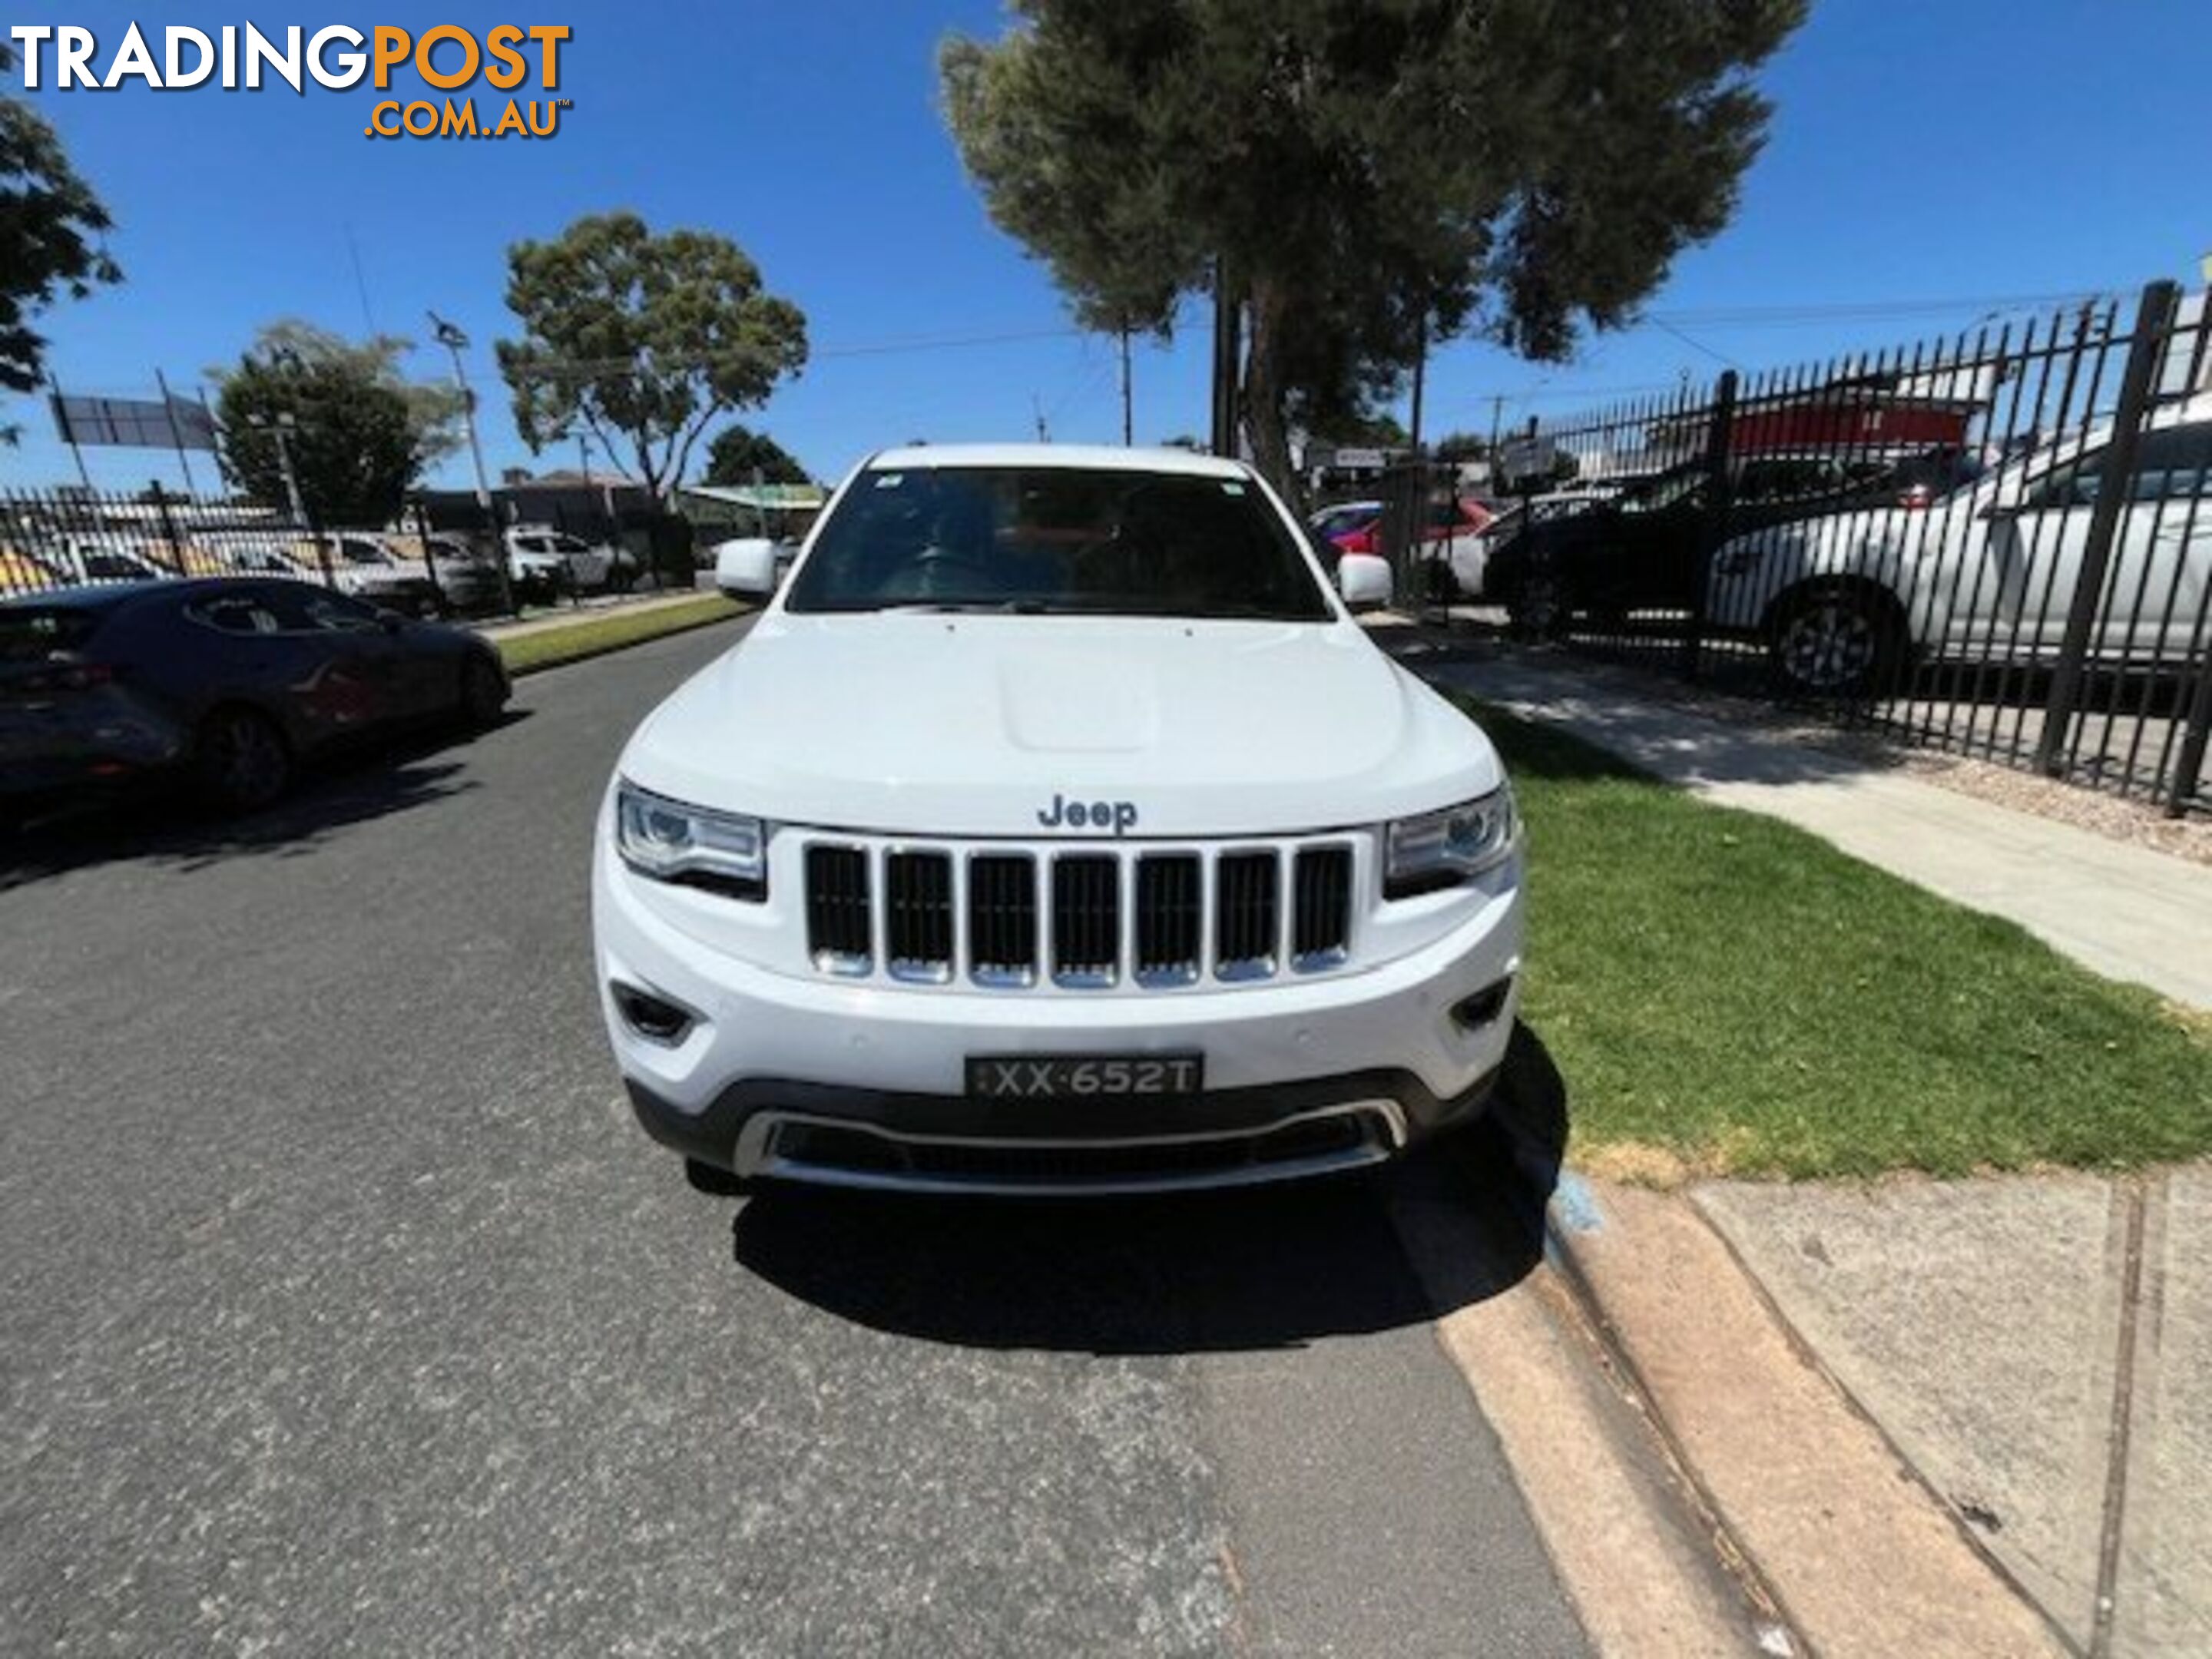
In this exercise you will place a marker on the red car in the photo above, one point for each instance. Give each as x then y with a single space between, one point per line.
1446 519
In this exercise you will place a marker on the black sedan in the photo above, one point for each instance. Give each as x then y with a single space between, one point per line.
225 684
1643 551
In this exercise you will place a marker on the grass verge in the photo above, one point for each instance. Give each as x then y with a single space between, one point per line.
1725 993
590 636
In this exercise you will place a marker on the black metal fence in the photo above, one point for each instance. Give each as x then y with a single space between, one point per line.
1998 544
442 557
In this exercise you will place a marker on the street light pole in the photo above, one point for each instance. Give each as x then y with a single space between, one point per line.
455 341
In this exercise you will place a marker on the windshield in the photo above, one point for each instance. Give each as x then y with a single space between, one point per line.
1058 540
1653 495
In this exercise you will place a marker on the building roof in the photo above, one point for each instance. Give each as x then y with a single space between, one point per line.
770 497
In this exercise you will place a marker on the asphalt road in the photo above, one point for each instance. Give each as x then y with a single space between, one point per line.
342 1308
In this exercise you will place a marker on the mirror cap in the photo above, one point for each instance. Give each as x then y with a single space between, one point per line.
1363 580
745 568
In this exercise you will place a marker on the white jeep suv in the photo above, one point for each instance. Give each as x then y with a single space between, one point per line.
1056 828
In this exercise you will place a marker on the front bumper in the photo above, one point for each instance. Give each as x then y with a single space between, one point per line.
810 1079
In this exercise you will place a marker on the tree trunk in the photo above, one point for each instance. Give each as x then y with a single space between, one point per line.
1264 421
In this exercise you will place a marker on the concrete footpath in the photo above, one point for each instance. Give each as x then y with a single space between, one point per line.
2125 912
1928 1417
1932 1417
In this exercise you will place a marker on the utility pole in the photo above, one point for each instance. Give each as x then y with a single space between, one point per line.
1420 382
1129 424
281 429
455 341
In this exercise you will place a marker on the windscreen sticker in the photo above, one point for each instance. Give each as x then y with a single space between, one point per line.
890 480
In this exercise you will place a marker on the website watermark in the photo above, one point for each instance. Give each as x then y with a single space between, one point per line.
448 59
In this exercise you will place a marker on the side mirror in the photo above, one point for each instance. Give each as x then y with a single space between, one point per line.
1363 579
390 621
745 568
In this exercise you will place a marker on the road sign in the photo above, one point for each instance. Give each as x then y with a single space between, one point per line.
1527 458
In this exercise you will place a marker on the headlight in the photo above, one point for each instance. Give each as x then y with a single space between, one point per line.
1443 849
670 841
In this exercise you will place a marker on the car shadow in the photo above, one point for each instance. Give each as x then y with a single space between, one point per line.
1258 1268
162 829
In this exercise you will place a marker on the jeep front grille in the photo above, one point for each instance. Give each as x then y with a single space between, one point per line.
1089 918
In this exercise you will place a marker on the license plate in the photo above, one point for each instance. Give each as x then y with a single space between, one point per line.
1056 1077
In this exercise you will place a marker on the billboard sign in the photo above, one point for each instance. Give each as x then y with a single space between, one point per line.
133 423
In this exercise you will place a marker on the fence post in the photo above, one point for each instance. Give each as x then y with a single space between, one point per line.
2189 764
2153 314
430 558
1712 524
168 525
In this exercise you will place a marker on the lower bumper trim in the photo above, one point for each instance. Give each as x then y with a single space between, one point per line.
790 1131
788 1146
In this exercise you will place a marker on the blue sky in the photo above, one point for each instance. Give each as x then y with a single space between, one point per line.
1958 151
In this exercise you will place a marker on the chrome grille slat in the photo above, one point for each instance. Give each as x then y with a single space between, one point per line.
1320 914
1168 919
1245 920
1002 919
918 916
838 925
1086 917
1086 920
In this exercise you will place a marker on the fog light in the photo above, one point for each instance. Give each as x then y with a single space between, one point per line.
651 1017
1475 1012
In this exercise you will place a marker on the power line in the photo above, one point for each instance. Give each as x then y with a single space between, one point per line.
1720 357
1869 310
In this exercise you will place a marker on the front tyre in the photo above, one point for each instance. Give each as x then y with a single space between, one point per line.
483 693
1540 607
240 762
1837 643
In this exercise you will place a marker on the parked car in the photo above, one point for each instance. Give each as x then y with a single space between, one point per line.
1643 551
364 564
257 554
77 558
552 560
1844 600
1343 519
468 578
1079 840
226 684
1445 518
